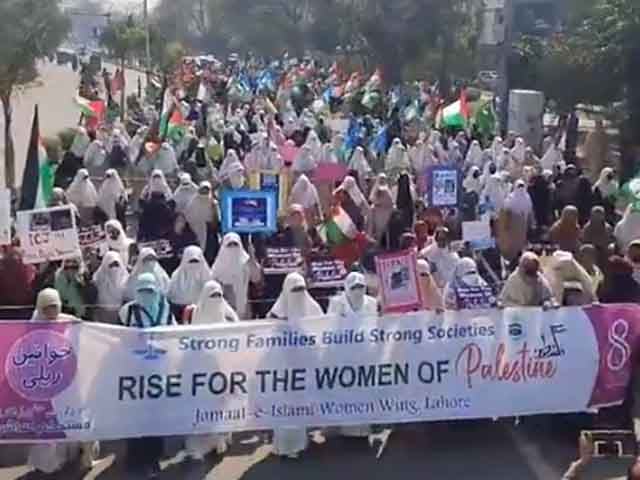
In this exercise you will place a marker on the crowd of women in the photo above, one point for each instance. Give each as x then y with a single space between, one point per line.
559 238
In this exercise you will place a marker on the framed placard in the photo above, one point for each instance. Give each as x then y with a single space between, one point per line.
326 272
93 241
162 247
247 211
444 186
282 260
398 278
48 234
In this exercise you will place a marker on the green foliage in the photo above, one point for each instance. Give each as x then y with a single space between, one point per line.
31 29
124 38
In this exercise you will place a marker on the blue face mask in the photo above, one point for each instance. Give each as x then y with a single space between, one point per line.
150 301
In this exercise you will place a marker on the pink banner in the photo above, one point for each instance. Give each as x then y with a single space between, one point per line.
398 277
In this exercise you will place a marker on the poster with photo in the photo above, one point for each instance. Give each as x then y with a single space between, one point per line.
478 235
247 211
48 234
93 241
398 279
444 186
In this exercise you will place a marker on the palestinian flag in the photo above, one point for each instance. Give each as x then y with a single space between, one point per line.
93 112
38 176
172 121
485 119
339 229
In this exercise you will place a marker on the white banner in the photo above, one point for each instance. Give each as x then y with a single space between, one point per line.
89 381
48 234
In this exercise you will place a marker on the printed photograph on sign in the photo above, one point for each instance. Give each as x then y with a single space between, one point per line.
48 234
443 186
398 277
246 211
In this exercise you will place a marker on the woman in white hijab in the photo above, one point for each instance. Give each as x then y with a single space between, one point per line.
165 159
294 305
314 144
552 157
111 281
52 457
147 263
354 304
397 158
628 229
95 157
519 201
112 193
473 181
420 156
211 308
497 149
186 191
202 214
467 290
474 155
359 164
157 184
81 142
188 280
234 268
117 240
230 163
305 193
305 162
82 193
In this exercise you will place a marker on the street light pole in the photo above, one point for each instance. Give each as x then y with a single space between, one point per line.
147 39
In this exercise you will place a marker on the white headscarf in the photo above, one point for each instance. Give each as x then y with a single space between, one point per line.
46 298
212 307
189 278
157 184
628 229
519 201
304 193
353 303
471 183
314 144
152 267
165 159
122 243
82 192
497 149
111 281
552 157
95 155
397 158
111 191
495 191
232 268
81 142
420 157
200 212
518 151
230 164
350 186
359 163
607 187
305 160
186 191
295 305
474 155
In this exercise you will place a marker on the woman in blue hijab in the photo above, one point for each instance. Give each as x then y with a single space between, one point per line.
149 309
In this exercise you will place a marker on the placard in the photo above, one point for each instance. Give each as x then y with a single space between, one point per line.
5 216
398 277
330 172
282 260
48 234
93 241
478 235
247 211
444 186
326 272
163 248
329 371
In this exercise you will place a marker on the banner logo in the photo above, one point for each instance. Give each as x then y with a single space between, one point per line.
620 350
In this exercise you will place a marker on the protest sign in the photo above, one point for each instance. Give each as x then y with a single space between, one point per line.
478 234
444 186
330 173
326 272
163 248
247 211
93 241
326 371
5 216
48 234
282 260
398 277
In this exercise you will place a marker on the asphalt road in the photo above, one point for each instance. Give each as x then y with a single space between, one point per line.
54 93
540 448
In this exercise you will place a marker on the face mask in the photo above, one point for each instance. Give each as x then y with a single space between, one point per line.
146 298
114 235
356 298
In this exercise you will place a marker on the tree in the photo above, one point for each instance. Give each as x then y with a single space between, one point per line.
31 30
123 39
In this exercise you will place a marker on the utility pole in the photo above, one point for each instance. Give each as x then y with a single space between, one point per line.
147 40
505 53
